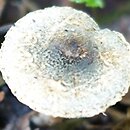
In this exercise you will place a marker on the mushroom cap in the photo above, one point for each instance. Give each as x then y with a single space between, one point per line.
60 63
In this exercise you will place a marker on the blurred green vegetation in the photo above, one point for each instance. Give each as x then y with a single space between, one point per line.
91 3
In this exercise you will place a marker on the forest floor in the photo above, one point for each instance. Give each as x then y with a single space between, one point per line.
17 116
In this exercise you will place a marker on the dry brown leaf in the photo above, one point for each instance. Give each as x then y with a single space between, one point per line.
2 95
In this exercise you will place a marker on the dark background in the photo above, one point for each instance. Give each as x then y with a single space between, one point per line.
16 116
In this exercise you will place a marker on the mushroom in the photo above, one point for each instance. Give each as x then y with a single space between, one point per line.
60 63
